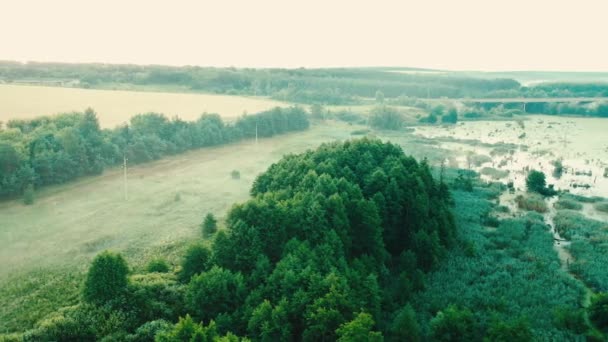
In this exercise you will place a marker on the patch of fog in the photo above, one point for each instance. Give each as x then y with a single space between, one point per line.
580 143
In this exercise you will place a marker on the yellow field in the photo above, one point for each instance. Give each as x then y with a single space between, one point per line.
114 107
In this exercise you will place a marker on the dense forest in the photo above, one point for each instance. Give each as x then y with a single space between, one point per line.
53 150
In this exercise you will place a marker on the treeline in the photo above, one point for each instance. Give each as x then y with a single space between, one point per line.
594 108
53 150
325 86
565 89
332 245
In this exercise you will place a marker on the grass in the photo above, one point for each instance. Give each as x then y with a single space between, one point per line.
116 106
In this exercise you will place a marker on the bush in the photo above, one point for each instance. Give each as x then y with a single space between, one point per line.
565 203
157 265
360 132
28 195
531 202
235 174
603 207
494 173
195 261
209 225
106 279
154 296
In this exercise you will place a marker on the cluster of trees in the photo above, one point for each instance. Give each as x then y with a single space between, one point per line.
332 245
52 150
385 117
440 114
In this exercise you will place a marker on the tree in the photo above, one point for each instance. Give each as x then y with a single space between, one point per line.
106 279
359 330
453 324
598 311
535 182
451 117
513 331
209 225
195 261
405 326
217 291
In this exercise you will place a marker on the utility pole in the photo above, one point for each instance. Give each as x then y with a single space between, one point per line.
124 166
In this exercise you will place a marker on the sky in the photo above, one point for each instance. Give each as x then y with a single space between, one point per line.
560 35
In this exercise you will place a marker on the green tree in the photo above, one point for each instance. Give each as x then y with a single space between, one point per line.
359 330
209 225
451 117
535 182
514 331
106 279
405 325
196 260
453 324
598 311
217 291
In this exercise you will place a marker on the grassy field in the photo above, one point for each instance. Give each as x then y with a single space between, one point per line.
46 248
117 106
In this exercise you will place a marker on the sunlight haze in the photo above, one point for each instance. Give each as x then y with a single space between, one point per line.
468 35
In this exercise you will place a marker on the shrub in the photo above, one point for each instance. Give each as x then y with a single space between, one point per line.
235 174
531 202
565 203
494 173
603 207
157 265
360 132
209 225
106 279
154 296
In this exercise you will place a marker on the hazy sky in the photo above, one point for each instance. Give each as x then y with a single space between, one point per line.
452 34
